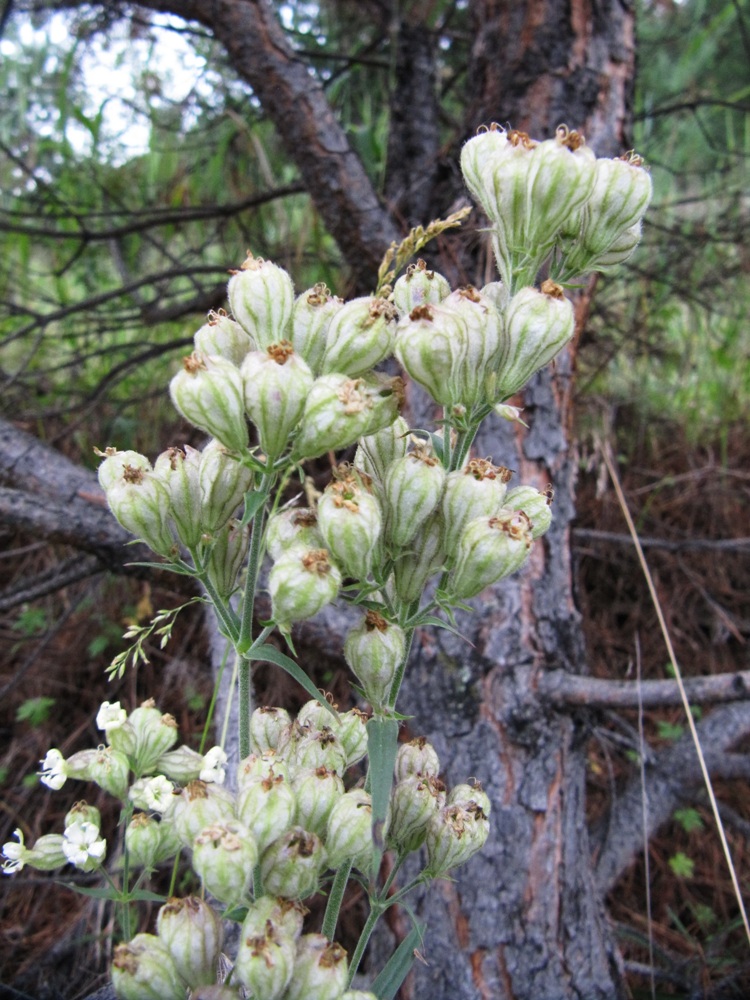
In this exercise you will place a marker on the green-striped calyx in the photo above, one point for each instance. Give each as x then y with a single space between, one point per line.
276 385
208 393
261 295
360 335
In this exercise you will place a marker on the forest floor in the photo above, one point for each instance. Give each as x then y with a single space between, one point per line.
52 679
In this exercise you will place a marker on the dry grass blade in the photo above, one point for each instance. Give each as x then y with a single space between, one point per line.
608 460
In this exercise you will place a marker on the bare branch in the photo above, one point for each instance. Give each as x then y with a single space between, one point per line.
563 689
151 220
291 96
683 545
672 775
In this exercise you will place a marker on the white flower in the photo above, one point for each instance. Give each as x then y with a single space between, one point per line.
158 794
213 770
511 413
14 854
82 845
110 716
53 773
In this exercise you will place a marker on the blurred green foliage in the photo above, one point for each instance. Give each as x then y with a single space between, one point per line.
671 331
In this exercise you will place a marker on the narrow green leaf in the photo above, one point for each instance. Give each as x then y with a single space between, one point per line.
254 500
145 894
382 744
397 968
96 893
269 654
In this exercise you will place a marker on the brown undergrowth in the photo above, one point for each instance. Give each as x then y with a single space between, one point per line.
677 493
53 941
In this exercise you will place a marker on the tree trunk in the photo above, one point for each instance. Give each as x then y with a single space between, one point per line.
525 919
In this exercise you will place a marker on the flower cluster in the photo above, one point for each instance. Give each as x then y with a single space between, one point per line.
409 529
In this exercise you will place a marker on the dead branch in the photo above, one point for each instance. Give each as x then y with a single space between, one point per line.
563 689
672 777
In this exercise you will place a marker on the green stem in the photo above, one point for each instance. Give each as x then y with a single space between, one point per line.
253 567
376 912
224 613
245 638
335 899
399 675
245 694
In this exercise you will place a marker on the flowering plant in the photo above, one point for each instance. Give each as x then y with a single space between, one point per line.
404 534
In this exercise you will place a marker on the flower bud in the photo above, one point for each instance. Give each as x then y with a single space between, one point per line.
143 840
301 582
200 805
155 733
320 970
454 835
287 917
539 325
291 866
222 337
424 557
339 410
350 831
192 933
621 194
268 726
417 757
259 766
118 466
321 748
265 957
374 649
216 992
261 296
360 336
536 505
276 384
617 252
350 522
143 970
266 806
313 716
46 854
419 286
141 504
414 801
485 342
489 550
352 731
110 770
226 557
413 487
316 791
376 452
311 317
478 490
223 483
471 797
181 765
82 812
431 344
224 856
208 393
177 471
294 527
